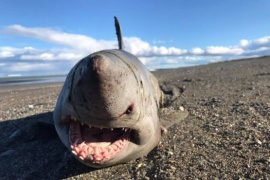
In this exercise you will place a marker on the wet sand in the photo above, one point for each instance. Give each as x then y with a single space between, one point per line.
226 135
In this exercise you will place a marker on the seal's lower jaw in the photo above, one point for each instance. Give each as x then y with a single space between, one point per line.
93 145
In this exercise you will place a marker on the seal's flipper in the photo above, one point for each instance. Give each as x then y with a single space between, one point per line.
171 91
169 117
119 33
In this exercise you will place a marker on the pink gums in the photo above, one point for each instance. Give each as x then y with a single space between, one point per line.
97 152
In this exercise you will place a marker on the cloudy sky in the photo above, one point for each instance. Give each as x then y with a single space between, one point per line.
49 37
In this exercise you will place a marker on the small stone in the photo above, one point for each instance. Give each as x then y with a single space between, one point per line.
146 178
258 141
139 165
216 115
181 108
31 106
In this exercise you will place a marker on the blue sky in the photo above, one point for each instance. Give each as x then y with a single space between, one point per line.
49 37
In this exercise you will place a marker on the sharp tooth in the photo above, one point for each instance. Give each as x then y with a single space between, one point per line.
74 152
123 129
126 130
81 123
111 129
101 128
89 126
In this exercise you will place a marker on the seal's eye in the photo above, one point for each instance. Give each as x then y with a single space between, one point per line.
129 109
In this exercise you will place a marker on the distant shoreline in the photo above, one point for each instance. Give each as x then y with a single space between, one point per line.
30 80
31 86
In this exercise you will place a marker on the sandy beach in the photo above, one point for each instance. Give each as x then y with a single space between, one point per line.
225 136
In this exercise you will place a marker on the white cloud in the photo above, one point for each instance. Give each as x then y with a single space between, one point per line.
24 67
84 43
6 51
244 43
75 41
5 54
220 50
263 41
263 49
172 51
197 51
136 46
53 56
77 46
142 48
254 45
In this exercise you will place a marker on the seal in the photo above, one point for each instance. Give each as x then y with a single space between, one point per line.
108 111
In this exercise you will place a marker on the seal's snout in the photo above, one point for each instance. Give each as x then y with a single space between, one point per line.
98 63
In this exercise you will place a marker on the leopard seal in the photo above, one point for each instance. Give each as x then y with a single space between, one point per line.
108 111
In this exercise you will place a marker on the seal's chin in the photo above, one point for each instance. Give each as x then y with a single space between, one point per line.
95 144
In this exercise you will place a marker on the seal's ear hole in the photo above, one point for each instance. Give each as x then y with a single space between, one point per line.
141 83
129 109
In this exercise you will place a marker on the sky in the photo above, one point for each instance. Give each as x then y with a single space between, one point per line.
49 37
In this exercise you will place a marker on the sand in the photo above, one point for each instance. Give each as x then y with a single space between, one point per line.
226 135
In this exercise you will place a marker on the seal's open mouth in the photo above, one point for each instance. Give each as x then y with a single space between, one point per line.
96 144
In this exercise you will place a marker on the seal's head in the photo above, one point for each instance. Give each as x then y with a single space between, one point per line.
106 113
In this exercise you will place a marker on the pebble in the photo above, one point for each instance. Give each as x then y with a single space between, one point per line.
139 165
181 108
258 141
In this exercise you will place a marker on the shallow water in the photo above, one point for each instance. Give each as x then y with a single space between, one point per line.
22 80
